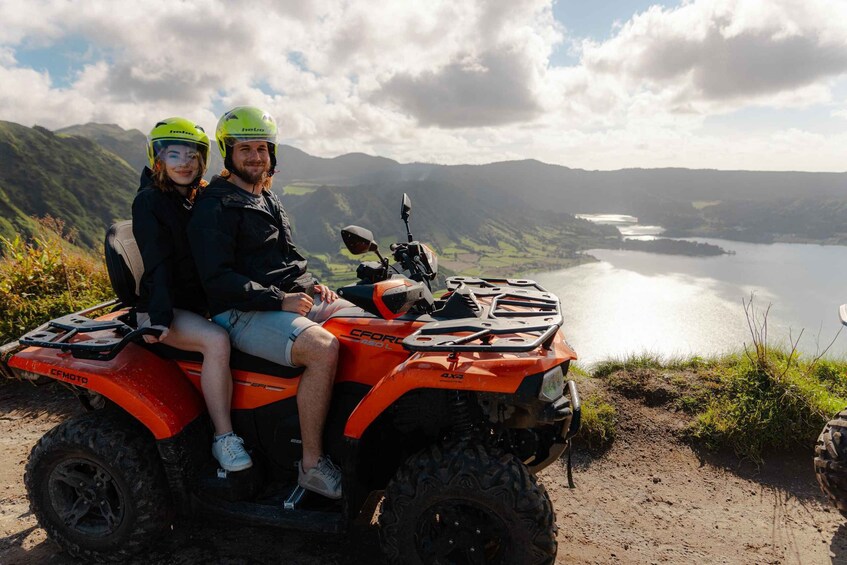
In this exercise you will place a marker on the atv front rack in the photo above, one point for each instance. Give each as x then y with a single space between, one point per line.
498 315
58 333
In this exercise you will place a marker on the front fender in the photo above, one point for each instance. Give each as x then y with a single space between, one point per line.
151 389
501 373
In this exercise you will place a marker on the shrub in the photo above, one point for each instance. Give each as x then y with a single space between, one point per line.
770 398
45 278
760 409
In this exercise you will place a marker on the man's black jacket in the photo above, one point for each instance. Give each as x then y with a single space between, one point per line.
170 280
243 252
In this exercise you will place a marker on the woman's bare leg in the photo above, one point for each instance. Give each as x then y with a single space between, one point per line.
193 332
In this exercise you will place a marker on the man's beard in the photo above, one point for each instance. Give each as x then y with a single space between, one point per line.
249 177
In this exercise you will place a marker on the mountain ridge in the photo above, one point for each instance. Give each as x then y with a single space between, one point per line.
517 196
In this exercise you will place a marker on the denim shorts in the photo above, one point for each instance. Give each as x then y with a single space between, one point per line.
271 334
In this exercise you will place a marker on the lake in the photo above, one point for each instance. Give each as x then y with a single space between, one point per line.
671 305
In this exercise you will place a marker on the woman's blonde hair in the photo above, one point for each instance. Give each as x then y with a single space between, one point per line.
163 182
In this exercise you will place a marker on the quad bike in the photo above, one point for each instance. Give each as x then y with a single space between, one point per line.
831 453
444 410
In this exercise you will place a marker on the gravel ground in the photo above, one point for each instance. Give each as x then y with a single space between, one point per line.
649 499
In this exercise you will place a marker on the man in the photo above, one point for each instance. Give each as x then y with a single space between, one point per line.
257 283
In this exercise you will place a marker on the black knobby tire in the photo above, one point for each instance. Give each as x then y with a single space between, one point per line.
831 461
97 487
467 504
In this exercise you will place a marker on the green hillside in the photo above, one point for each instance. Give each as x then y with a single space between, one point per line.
129 145
471 235
68 177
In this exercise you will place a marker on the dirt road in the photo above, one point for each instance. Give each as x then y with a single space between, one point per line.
649 499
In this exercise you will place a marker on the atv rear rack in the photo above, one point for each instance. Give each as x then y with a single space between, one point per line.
502 316
57 334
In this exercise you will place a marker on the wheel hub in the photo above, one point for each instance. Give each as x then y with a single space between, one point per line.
85 497
461 532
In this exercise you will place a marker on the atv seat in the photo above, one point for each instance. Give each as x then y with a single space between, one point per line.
125 267
239 361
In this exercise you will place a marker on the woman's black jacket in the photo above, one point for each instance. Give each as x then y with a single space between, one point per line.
170 280
243 249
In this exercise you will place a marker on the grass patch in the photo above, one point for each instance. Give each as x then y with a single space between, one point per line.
598 427
46 278
771 403
680 383
298 189
599 422
701 204
650 361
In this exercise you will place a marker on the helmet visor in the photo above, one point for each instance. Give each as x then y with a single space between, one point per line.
176 153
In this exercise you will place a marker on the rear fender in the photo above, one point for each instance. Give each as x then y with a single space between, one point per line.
151 389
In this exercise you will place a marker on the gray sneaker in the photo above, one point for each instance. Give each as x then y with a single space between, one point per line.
230 453
324 478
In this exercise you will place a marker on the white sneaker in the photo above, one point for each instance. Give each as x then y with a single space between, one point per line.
324 478
230 453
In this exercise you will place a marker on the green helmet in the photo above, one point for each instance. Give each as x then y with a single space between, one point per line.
246 123
179 131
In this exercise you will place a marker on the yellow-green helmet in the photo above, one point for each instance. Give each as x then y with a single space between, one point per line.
246 123
178 131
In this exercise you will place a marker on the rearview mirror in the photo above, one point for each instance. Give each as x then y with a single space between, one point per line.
358 240
406 207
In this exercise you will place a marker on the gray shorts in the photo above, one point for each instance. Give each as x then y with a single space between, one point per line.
271 334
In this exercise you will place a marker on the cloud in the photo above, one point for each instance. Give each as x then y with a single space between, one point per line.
711 55
492 90
446 80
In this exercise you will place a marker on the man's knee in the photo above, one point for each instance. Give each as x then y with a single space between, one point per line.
315 344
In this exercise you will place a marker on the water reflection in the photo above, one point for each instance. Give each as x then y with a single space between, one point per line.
632 302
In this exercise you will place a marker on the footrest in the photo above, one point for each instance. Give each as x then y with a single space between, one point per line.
294 498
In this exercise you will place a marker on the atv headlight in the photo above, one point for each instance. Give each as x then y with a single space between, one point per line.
552 385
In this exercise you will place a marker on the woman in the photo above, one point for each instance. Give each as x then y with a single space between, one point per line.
171 296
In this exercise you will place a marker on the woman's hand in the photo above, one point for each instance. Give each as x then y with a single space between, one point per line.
326 294
152 338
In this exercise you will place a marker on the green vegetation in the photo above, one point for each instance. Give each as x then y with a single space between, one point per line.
129 145
471 236
46 278
599 422
66 177
648 361
673 247
598 426
700 204
772 403
298 189
754 403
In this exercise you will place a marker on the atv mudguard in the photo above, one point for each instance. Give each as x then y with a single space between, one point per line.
150 389
480 372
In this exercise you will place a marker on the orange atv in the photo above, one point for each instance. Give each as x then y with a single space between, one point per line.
443 409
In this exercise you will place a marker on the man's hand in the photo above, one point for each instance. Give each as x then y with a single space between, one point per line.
297 302
326 294
153 339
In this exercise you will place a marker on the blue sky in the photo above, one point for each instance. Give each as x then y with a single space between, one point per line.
600 85
585 19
